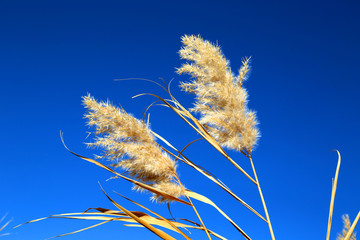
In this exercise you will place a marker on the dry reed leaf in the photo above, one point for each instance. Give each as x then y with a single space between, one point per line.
32 221
143 222
171 225
107 215
125 218
174 227
206 200
65 215
209 176
4 226
69 216
128 213
211 232
198 215
80 230
333 192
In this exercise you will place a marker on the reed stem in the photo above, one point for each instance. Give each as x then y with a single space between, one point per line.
196 212
202 223
263 200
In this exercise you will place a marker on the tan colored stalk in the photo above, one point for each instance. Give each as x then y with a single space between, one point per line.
161 217
202 131
333 192
209 176
197 214
184 114
193 206
351 230
262 200
206 200
158 232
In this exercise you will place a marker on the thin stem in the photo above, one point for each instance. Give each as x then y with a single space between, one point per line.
262 199
351 230
333 192
197 214
241 170
184 114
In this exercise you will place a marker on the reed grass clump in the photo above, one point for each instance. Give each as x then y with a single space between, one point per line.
225 122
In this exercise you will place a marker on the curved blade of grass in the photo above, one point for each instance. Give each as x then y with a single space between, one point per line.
209 176
206 200
352 228
142 79
69 215
184 114
212 233
4 226
151 220
3 217
199 217
102 211
168 205
102 218
156 231
164 219
118 216
333 192
201 127
113 217
35 220
199 228
83 229
143 185
147 109
103 215
107 215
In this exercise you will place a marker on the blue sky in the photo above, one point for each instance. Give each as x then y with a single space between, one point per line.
304 86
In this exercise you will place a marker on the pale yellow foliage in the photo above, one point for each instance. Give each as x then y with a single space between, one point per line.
129 143
347 225
220 97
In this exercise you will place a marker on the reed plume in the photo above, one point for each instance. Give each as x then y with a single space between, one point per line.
129 144
220 96
221 100
347 225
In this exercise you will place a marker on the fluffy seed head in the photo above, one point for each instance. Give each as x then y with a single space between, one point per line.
129 143
220 97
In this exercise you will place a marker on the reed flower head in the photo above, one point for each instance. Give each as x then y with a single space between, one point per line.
220 96
347 225
129 144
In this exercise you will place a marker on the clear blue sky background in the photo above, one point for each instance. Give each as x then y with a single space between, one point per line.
304 86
